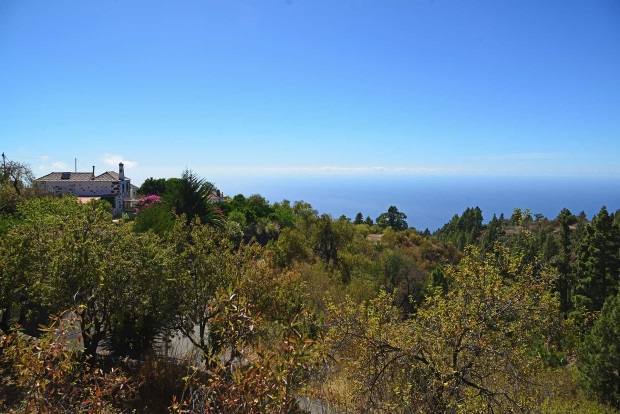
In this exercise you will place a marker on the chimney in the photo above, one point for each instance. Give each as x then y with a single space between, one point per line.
121 172
93 171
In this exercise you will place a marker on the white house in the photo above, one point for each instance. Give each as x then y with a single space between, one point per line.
87 184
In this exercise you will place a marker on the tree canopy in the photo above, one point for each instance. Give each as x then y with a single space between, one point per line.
393 218
600 355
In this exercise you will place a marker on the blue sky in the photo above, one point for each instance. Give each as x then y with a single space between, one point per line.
233 89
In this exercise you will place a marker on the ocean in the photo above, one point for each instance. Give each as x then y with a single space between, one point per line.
431 201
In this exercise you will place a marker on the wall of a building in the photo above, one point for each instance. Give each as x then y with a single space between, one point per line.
83 188
121 190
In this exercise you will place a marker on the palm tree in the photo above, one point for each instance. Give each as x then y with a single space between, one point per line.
189 195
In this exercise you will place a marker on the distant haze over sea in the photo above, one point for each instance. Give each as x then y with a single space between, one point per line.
431 201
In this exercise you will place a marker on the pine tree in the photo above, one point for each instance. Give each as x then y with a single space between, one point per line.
566 219
491 234
359 218
598 269
393 218
600 355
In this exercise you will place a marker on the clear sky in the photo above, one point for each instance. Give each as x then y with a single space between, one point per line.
234 88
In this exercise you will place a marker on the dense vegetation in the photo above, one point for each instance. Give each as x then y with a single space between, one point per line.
282 304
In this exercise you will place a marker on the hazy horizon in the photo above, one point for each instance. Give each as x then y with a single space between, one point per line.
431 201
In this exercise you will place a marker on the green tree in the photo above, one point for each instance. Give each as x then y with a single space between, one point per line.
17 175
599 357
491 234
157 218
368 221
15 180
153 186
259 207
598 267
520 217
72 256
204 262
393 218
467 350
403 278
359 218
140 297
304 213
292 245
464 230
260 221
190 196
238 217
565 275
283 214
438 279
327 241
213 281
24 250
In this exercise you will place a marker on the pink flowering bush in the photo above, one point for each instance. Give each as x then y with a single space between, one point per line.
147 201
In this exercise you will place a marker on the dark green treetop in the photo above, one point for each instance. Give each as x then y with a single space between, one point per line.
598 267
599 358
393 218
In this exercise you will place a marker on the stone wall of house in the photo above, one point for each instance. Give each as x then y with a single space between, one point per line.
83 188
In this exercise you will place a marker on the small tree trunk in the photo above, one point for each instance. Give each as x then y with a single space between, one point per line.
91 340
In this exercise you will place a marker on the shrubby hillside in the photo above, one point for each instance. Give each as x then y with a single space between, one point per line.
290 309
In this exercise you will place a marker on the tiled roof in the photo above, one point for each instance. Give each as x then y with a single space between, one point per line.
108 176
56 176
80 176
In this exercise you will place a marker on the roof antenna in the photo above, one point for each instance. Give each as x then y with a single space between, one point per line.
76 165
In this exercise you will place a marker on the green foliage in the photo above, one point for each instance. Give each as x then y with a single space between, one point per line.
520 217
237 217
565 280
599 356
466 350
491 234
598 268
52 377
189 196
292 245
438 280
253 208
208 269
329 238
68 255
283 214
393 218
565 396
465 230
402 277
410 323
7 221
259 220
157 218
153 186
15 184
359 218
267 378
